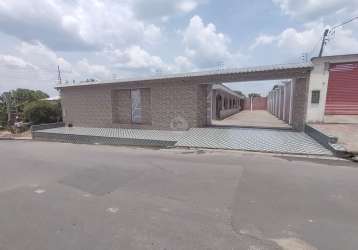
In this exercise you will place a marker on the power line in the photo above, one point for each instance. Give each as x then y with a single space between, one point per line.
344 23
331 33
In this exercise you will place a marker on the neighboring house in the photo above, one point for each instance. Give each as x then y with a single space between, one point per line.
225 102
333 89
52 99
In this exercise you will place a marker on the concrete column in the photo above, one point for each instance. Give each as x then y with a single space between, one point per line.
209 101
299 103
213 105
284 102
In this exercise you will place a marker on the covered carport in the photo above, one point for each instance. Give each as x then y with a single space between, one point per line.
297 73
181 102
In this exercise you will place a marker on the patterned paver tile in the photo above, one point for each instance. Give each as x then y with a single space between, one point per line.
251 139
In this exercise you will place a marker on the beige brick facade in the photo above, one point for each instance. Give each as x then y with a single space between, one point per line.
173 106
170 103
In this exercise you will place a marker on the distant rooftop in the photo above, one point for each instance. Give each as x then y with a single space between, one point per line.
299 68
54 98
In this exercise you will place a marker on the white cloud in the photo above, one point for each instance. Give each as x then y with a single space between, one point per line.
43 57
9 61
87 70
46 60
77 24
205 46
294 41
345 41
316 9
187 5
183 64
263 40
163 9
36 67
42 20
135 58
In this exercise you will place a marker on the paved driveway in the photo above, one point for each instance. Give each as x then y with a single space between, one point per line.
62 196
255 118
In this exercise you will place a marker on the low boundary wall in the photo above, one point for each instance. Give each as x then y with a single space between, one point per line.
47 126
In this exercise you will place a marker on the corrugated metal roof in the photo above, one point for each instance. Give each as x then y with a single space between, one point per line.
277 67
226 89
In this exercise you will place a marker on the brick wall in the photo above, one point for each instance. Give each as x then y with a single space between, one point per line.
87 106
146 106
174 106
121 106
299 103
258 103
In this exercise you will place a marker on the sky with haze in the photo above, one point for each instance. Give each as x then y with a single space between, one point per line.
106 39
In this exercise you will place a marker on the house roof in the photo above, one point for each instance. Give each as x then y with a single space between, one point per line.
54 98
337 58
226 89
217 76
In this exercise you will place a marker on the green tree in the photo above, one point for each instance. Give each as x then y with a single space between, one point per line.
22 96
3 115
39 112
16 100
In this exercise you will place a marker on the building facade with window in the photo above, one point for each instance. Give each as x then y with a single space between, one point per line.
333 89
174 102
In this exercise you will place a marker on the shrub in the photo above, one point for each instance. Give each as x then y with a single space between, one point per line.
40 112
3 118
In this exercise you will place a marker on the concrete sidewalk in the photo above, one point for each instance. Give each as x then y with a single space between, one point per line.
347 134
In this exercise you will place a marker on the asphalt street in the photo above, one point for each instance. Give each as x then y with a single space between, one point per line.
81 197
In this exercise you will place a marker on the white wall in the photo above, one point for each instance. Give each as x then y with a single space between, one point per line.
318 81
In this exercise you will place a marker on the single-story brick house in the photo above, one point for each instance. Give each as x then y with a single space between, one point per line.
171 102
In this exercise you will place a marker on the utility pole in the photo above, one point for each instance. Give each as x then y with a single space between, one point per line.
324 40
8 108
304 57
59 75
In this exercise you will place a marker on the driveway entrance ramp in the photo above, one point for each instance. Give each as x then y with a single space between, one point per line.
109 136
251 139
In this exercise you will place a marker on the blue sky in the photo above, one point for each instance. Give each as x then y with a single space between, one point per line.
106 39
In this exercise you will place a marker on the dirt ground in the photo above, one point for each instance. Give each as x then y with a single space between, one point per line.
5 134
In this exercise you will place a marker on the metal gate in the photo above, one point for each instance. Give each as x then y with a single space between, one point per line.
342 92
